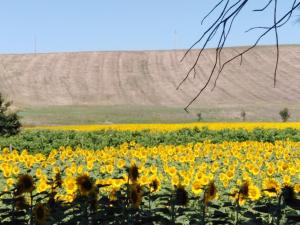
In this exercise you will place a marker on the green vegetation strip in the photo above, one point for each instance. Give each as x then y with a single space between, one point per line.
44 141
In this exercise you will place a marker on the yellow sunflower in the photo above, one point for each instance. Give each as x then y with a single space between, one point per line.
253 193
197 187
69 184
271 187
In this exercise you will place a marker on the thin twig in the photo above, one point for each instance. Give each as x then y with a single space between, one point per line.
264 8
277 45
222 26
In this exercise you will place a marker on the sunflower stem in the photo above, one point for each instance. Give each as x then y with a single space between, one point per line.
173 208
149 201
203 207
128 211
13 208
31 208
278 212
203 214
127 202
237 210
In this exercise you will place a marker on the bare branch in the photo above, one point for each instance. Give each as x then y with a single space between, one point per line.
264 8
222 26
213 29
277 45
213 9
205 33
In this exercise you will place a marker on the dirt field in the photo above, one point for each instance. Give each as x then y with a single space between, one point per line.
99 87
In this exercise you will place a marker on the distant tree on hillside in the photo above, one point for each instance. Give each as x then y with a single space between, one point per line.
9 121
243 115
222 18
284 114
199 116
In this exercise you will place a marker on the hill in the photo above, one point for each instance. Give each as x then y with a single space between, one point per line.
147 80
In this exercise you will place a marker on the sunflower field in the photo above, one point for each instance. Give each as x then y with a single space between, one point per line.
173 127
136 182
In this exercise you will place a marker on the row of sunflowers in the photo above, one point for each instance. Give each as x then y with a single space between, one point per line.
173 127
201 183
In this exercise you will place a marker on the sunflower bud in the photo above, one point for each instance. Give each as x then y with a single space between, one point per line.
210 192
244 190
133 173
24 184
85 184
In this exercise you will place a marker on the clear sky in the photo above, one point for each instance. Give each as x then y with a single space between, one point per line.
96 25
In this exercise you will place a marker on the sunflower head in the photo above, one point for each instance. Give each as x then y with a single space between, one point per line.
244 189
254 193
271 187
85 184
197 187
135 195
210 192
133 173
154 185
40 214
181 195
25 184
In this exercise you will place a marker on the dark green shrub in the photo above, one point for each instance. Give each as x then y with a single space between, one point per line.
9 121
285 115
243 115
199 116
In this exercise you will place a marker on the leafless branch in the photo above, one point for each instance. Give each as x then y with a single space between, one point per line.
221 28
213 9
276 37
264 8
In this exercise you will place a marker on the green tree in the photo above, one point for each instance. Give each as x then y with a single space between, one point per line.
9 121
285 115
199 116
243 115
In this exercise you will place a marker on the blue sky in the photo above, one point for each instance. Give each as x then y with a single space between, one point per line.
99 25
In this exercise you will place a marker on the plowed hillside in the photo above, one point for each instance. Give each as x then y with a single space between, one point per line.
148 78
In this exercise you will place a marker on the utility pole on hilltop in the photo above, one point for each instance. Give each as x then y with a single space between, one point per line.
34 45
175 39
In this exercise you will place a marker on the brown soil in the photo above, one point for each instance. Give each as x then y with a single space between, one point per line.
148 78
